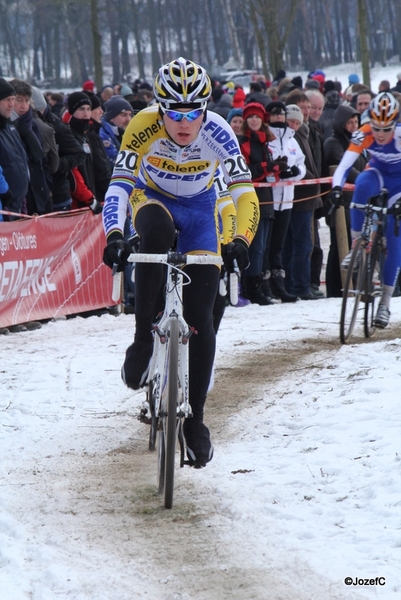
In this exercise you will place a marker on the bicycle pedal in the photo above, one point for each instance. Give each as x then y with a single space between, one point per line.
144 417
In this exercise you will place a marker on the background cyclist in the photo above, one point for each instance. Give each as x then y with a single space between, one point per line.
382 137
166 167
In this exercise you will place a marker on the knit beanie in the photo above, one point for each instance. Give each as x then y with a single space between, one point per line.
353 78
126 90
76 100
6 89
277 108
95 102
38 99
254 108
297 81
294 112
115 106
88 86
312 84
234 112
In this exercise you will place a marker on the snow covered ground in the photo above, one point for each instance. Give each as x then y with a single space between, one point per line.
303 491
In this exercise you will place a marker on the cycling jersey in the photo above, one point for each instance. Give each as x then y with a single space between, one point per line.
386 159
149 160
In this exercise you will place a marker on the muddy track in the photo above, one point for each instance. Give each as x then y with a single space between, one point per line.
193 545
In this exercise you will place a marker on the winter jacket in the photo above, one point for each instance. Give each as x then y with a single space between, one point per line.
38 195
14 163
110 140
307 191
82 178
283 145
3 190
335 146
102 167
257 156
223 106
71 155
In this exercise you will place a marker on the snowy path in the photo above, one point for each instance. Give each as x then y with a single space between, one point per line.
304 489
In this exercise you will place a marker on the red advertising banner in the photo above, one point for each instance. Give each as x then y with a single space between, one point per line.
52 266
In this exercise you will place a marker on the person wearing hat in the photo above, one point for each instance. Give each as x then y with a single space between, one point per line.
298 246
353 78
89 86
235 119
118 113
82 178
70 152
100 158
254 141
13 158
283 147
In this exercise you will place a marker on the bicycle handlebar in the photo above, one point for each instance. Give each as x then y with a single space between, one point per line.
173 258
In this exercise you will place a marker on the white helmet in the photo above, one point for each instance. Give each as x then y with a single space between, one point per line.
384 110
182 82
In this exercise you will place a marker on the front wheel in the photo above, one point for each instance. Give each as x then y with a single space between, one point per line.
171 420
353 291
374 275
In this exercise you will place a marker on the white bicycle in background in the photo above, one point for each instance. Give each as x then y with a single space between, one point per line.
167 385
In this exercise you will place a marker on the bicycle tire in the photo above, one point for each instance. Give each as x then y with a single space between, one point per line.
374 273
161 460
352 293
170 421
154 421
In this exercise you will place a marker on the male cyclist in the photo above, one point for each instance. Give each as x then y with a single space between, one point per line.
382 138
166 166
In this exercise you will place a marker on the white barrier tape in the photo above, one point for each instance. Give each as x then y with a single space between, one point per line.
347 186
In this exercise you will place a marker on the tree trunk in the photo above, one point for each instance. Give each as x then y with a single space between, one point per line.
153 20
97 44
363 37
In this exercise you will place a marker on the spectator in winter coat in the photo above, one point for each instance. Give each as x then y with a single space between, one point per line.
47 136
256 94
254 147
100 159
283 147
239 98
56 101
38 198
13 158
5 193
118 113
346 121
82 178
223 106
397 87
333 100
298 243
70 153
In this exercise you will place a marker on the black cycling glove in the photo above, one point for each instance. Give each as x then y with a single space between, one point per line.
235 250
116 252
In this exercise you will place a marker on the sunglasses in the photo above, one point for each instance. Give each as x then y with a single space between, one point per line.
177 116
383 129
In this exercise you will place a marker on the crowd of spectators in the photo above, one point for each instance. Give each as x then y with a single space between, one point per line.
57 153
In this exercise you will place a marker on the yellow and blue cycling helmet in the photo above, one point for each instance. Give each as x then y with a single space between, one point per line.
182 81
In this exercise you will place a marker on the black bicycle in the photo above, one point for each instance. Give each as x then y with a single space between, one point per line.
363 283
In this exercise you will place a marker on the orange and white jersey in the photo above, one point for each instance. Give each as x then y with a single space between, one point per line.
387 158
